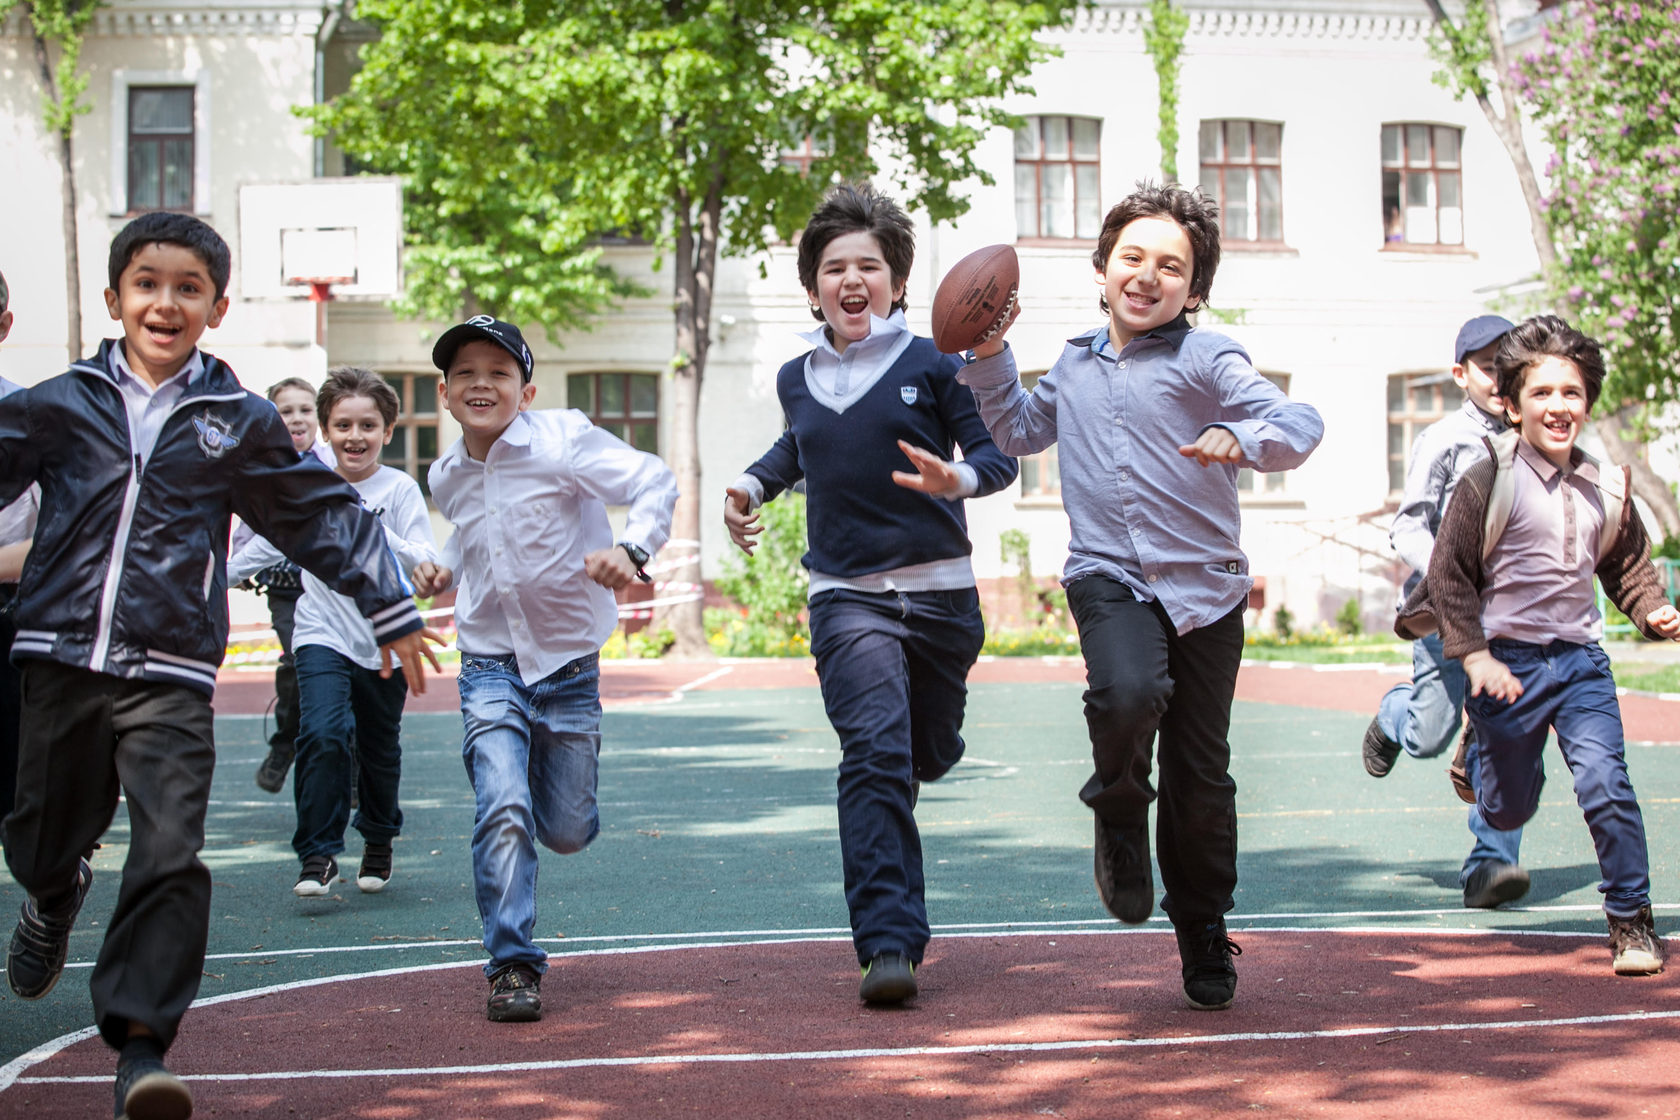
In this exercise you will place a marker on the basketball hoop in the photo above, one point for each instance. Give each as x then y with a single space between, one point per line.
320 292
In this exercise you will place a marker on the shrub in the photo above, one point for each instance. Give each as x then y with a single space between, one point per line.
770 586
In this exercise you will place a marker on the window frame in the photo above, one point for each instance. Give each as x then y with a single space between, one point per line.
1071 160
122 81
1254 164
1446 398
1040 475
1402 168
417 411
630 419
1261 486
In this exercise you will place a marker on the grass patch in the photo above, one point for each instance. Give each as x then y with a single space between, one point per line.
1643 676
1384 653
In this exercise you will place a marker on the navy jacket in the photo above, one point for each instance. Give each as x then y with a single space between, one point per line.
127 575
858 520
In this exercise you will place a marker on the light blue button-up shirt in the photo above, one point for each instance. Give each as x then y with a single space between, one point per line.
1141 512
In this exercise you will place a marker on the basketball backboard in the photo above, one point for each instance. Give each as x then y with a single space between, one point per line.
346 231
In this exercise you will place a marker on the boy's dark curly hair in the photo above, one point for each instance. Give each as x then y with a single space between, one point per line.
855 208
1194 212
1546 336
171 228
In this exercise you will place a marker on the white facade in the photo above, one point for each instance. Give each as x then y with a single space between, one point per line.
1330 306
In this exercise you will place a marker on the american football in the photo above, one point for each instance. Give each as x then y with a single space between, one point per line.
976 298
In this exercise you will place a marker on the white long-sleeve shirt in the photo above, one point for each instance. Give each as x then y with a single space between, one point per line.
524 520
326 618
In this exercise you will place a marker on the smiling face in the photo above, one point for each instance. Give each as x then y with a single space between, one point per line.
483 390
358 432
297 409
1475 376
165 301
1147 280
853 283
1551 408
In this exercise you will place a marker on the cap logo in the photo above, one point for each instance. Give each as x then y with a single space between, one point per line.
481 321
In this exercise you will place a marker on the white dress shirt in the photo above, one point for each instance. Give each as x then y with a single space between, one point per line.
524 520
148 408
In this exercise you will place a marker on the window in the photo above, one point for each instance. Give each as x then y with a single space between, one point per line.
1252 482
1242 170
1041 475
1422 199
1415 401
801 153
625 404
160 148
1057 178
414 445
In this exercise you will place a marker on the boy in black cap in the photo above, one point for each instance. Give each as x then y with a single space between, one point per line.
527 493
1423 715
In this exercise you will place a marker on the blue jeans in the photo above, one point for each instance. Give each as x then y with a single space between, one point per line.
1423 716
340 703
532 753
1567 688
894 673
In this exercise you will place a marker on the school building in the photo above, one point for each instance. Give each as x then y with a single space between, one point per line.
1366 214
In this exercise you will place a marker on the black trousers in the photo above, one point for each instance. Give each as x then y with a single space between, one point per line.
282 610
86 738
8 700
1145 680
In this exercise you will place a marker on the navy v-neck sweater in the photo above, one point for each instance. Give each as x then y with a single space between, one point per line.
859 521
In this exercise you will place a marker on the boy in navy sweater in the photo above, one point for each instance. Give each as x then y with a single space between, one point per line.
895 617
143 452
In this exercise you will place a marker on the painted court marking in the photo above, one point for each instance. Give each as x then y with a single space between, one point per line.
14 1072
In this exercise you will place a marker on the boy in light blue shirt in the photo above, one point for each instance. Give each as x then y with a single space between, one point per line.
1155 418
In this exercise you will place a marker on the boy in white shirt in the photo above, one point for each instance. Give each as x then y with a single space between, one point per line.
342 699
527 493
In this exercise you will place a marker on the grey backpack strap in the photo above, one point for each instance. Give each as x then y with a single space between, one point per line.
1503 447
1614 484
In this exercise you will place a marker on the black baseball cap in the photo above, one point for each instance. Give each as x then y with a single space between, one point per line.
1474 335
505 335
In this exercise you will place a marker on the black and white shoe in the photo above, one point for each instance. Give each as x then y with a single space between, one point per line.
318 875
41 941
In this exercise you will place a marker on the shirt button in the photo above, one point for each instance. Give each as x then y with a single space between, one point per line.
1153 578
1119 365
1125 476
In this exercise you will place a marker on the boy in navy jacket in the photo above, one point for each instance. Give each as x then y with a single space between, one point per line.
143 453
895 617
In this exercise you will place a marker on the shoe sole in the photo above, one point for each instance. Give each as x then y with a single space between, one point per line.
1506 886
515 1013
894 989
370 884
1189 999
1637 964
1378 751
1131 910
157 1096
312 889
21 994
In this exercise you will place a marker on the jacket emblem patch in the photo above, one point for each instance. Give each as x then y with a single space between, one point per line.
907 393
215 435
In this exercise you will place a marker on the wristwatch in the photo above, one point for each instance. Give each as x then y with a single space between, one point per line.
639 557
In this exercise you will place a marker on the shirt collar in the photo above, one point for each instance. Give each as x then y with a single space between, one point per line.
882 332
1173 334
194 369
1579 464
1492 422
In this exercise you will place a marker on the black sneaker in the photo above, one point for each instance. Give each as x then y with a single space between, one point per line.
1635 948
1210 979
1124 879
42 941
376 868
318 875
887 978
1379 750
1492 883
146 1090
515 995
271 775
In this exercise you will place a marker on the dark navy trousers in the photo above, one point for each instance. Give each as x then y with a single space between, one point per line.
1567 688
894 673
342 706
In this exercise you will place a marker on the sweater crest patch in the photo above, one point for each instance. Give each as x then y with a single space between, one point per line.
907 394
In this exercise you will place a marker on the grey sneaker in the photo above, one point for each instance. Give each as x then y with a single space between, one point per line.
1493 883
887 978
146 1090
41 942
1635 948
515 995
1379 750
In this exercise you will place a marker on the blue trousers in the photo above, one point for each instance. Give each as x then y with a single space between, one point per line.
1423 716
894 674
340 703
1567 688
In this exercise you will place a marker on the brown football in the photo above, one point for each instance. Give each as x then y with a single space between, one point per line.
976 298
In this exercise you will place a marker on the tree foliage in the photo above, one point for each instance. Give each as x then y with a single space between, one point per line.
1163 41
1604 86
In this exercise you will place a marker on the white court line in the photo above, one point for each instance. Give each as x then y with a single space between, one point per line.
899 1052
12 1072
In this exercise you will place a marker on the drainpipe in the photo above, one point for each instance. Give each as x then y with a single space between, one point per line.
329 27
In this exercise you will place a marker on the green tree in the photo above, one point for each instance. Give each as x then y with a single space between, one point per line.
1163 41
1600 230
56 28
528 130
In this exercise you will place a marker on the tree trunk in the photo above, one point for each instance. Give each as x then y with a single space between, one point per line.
67 176
1648 485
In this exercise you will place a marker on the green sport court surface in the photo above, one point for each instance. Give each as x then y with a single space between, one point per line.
718 825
